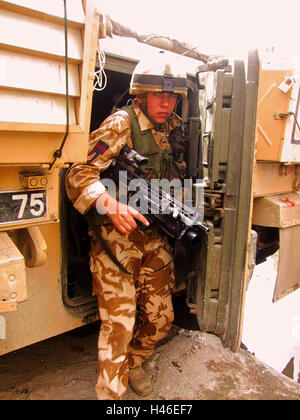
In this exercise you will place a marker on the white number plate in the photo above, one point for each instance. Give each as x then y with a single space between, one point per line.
16 206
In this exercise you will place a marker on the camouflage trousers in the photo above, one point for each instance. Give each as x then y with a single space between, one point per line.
135 310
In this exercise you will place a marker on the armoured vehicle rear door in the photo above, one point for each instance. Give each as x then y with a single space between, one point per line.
224 158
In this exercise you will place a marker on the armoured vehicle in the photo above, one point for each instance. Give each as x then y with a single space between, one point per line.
242 134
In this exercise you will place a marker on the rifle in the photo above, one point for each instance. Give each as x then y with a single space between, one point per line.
178 220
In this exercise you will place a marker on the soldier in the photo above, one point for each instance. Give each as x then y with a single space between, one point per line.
135 309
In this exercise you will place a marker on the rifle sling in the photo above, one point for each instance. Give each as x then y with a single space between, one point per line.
106 248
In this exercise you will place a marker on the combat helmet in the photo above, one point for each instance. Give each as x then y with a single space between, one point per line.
159 73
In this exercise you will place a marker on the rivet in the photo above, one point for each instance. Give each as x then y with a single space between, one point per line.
33 182
12 278
44 181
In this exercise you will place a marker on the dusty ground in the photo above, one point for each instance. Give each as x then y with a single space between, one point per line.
190 366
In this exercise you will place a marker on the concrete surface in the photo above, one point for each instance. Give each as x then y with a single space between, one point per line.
190 366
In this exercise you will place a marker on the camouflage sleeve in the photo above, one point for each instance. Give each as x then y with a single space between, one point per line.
82 180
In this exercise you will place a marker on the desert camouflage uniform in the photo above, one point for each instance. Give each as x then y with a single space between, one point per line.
135 310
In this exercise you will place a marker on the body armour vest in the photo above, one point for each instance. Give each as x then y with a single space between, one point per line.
158 166
159 160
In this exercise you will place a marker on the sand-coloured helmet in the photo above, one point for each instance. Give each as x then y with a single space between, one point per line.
159 73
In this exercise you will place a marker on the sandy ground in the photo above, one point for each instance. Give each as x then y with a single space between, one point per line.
190 366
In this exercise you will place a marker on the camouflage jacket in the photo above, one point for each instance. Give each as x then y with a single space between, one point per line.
83 180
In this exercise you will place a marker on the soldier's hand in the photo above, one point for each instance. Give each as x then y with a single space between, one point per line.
122 216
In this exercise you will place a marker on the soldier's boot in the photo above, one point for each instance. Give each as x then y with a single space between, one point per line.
139 381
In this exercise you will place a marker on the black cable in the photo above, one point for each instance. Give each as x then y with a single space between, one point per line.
58 153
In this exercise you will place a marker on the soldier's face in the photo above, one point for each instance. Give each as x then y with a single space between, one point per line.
160 105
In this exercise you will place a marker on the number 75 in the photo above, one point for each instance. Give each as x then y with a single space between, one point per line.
35 200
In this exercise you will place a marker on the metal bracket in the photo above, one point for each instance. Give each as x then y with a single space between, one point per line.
33 246
222 64
12 274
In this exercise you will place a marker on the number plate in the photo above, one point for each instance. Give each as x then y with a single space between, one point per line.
18 206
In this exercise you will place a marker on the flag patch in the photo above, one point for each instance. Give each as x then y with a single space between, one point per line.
98 149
